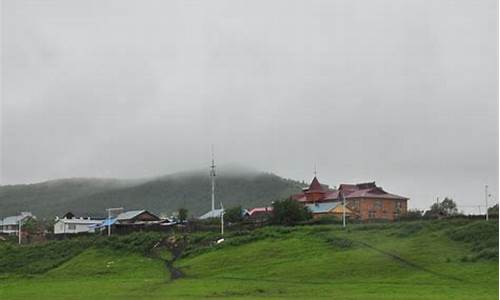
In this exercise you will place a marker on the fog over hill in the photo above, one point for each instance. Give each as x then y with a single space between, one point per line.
165 194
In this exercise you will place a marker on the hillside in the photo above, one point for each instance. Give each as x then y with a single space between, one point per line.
160 195
416 260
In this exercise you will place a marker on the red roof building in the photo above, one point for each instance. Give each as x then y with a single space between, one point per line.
366 200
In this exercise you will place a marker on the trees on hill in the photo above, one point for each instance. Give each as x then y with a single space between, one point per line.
234 214
445 208
492 211
289 212
182 214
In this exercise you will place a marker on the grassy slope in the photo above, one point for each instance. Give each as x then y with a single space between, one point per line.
376 262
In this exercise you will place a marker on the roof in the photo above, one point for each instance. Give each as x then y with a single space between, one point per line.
129 214
350 191
325 207
315 186
372 192
14 220
107 222
260 210
80 221
216 213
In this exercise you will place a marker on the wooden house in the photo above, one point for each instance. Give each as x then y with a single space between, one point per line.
365 201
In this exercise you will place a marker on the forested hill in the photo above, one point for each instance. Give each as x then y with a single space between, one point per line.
84 196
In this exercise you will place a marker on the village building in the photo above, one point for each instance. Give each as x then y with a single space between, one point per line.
137 217
134 220
364 201
259 214
10 225
70 224
216 213
320 209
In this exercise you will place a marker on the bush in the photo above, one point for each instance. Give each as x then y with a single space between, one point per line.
412 214
482 235
234 215
289 212
35 259
140 242
323 220
410 229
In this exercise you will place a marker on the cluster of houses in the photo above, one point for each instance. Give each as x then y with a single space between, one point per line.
363 201
124 222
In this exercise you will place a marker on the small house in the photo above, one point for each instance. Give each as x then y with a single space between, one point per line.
10 225
259 214
328 209
70 224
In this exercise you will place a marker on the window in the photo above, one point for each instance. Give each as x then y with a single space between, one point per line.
71 226
377 204
399 204
353 203
371 214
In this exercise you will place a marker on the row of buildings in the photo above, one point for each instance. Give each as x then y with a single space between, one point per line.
123 222
362 201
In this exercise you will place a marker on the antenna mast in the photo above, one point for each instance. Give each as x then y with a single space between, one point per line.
212 175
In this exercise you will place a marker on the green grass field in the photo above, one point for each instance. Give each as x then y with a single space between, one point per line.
416 260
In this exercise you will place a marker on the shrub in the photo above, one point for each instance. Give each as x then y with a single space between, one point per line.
482 235
289 212
412 214
410 229
234 215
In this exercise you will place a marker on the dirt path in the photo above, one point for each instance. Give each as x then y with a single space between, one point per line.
176 248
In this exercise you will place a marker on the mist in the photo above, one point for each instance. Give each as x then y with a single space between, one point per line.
404 93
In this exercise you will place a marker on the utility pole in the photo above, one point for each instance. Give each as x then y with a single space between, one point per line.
341 195
222 220
212 175
109 217
19 232
486 200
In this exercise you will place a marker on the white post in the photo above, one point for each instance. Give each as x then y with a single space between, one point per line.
109 217
109 222
486 199
222 220
212 175
19 231
343 212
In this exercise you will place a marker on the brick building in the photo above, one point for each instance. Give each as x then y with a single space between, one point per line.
365 200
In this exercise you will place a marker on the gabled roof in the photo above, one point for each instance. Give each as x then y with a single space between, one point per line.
315 186
373 193
216 213
323 207
14 220
260 210
79 221
129 214
326 207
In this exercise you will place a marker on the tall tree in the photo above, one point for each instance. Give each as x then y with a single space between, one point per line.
234 214
182 214
289 212
445 208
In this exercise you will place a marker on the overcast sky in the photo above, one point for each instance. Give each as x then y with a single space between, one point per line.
401 92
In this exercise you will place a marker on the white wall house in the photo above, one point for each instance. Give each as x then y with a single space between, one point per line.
75 225
10 225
